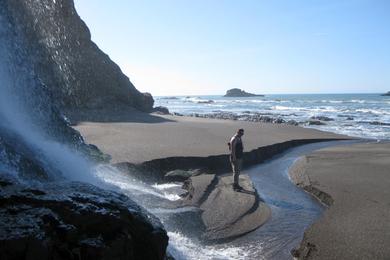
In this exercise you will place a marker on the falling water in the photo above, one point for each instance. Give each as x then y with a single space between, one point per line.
28 118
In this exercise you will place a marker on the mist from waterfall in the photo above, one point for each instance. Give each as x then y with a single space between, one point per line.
26 111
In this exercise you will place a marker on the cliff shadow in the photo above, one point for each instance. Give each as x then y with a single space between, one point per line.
113 115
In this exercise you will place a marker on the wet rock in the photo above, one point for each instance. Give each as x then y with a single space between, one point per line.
225 213
247 116
180 175
315 122
206 102
292 122
161 110
278 121
307 251
347 117
379 123
322 118
76 221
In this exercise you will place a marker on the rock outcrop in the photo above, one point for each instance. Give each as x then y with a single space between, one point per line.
225 213
322 118
65 59
46 56
75 221
236 92
161 110
386 94
251 117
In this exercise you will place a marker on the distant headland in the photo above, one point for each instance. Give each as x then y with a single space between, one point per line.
386 94
236 92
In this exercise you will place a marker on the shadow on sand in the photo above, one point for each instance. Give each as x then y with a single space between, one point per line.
123 115
246 191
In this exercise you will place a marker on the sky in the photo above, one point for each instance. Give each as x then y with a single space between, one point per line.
205 47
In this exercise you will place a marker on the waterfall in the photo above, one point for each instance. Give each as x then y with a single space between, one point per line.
29 121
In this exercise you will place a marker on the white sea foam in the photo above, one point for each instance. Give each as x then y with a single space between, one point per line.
373 111
182 247
361 107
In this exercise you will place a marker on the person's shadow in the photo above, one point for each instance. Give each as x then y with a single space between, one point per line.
246 191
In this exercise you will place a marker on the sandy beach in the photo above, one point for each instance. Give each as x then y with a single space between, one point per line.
353 179
137 137
355 226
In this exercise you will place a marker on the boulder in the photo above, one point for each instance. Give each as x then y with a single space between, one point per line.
379 123
206 101
161 110
315 122
75 221
180 175
322 118
236 92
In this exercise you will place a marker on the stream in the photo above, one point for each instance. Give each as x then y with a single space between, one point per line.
293 210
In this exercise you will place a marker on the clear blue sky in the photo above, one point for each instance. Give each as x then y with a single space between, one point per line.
173 47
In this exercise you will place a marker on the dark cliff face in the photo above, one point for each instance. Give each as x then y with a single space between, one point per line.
71 66
44 215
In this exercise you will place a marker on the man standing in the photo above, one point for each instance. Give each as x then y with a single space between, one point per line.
236 153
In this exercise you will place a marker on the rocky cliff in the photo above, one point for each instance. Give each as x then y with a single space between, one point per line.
70 65
49 208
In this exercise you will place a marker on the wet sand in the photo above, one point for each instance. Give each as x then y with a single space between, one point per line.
354 180
138 137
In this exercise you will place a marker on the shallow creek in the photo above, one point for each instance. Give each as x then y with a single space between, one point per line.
293 210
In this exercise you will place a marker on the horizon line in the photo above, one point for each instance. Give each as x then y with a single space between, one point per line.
323 93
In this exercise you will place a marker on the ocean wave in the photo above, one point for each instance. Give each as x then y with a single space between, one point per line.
373 111
358 101
349 111
332 101
198 100
307 109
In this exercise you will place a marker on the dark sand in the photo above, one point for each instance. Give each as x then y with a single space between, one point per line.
356 178
139 137
357 223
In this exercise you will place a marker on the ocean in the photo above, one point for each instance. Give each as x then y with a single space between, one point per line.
358 115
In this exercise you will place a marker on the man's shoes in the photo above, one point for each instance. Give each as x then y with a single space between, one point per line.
237 187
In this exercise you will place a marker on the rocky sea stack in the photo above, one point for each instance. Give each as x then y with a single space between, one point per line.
236 92
386 94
